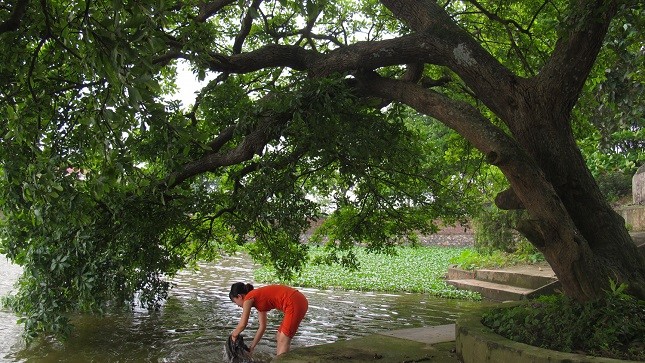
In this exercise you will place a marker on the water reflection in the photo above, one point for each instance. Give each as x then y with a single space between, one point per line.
194 323
8 329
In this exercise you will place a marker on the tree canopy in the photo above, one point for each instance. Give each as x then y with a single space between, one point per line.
377 116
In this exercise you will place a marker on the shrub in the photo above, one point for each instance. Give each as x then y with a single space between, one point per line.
495 230
615 186
470 259
613 327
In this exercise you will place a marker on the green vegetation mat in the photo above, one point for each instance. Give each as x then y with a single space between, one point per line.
409 269
613 327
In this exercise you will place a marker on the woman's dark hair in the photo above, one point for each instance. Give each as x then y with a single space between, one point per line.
239 288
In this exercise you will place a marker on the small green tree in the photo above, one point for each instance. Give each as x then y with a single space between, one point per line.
496 230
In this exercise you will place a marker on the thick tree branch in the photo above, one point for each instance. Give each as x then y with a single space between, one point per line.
418 14
575 53
209 9
13 23
362 55
246 27
268 129
438 41
484 74
268 56
457 115
224 137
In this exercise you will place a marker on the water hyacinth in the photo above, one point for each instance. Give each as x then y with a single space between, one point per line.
409 269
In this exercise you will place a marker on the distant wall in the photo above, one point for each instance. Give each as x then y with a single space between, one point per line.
638 186
634 213
634 217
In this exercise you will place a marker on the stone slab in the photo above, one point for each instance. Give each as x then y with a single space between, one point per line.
638 186
373 348
491 290
427 335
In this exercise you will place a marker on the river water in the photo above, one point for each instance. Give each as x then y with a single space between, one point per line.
195 321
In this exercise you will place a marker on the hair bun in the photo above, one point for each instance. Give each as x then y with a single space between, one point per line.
249 287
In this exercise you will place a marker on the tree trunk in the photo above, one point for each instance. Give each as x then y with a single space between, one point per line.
595 246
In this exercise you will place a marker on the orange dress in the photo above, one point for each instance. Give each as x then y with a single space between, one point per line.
284 298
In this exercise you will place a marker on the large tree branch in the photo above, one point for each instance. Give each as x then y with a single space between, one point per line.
459 51
268 56
245 29
575 53
19 10
417 48
418 14
438 40
206 10
458 115
269 126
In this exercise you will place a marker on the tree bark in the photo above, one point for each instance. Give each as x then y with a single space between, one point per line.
597 246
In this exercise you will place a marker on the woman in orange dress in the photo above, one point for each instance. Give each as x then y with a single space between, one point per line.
290 301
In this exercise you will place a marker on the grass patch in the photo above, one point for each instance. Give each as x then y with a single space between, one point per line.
471 259
409 269
613 327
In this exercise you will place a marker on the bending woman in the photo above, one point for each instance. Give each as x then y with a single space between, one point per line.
290 301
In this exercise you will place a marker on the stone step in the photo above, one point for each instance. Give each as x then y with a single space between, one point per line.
515 278
492 290
530 277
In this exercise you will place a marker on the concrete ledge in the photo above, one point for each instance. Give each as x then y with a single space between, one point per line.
459 274
491 290
426 334
515 278
373 348
634 216
476 343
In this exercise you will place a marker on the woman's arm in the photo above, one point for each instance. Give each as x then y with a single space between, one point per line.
244 319
262 317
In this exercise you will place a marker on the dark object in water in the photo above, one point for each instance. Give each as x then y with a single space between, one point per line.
237 351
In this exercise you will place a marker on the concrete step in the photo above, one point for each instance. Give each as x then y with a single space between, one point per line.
492 290
510 283
515 278
530 277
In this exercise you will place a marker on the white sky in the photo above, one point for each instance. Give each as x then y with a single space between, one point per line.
187 85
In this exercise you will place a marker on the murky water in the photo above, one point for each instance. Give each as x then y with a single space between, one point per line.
194 323
9 331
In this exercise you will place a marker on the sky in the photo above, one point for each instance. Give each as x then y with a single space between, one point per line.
187 85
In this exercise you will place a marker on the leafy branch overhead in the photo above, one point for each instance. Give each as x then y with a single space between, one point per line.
375 118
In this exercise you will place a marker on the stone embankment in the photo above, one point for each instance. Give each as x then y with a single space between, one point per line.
450 237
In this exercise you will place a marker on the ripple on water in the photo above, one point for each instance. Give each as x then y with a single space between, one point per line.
9 330
195 321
